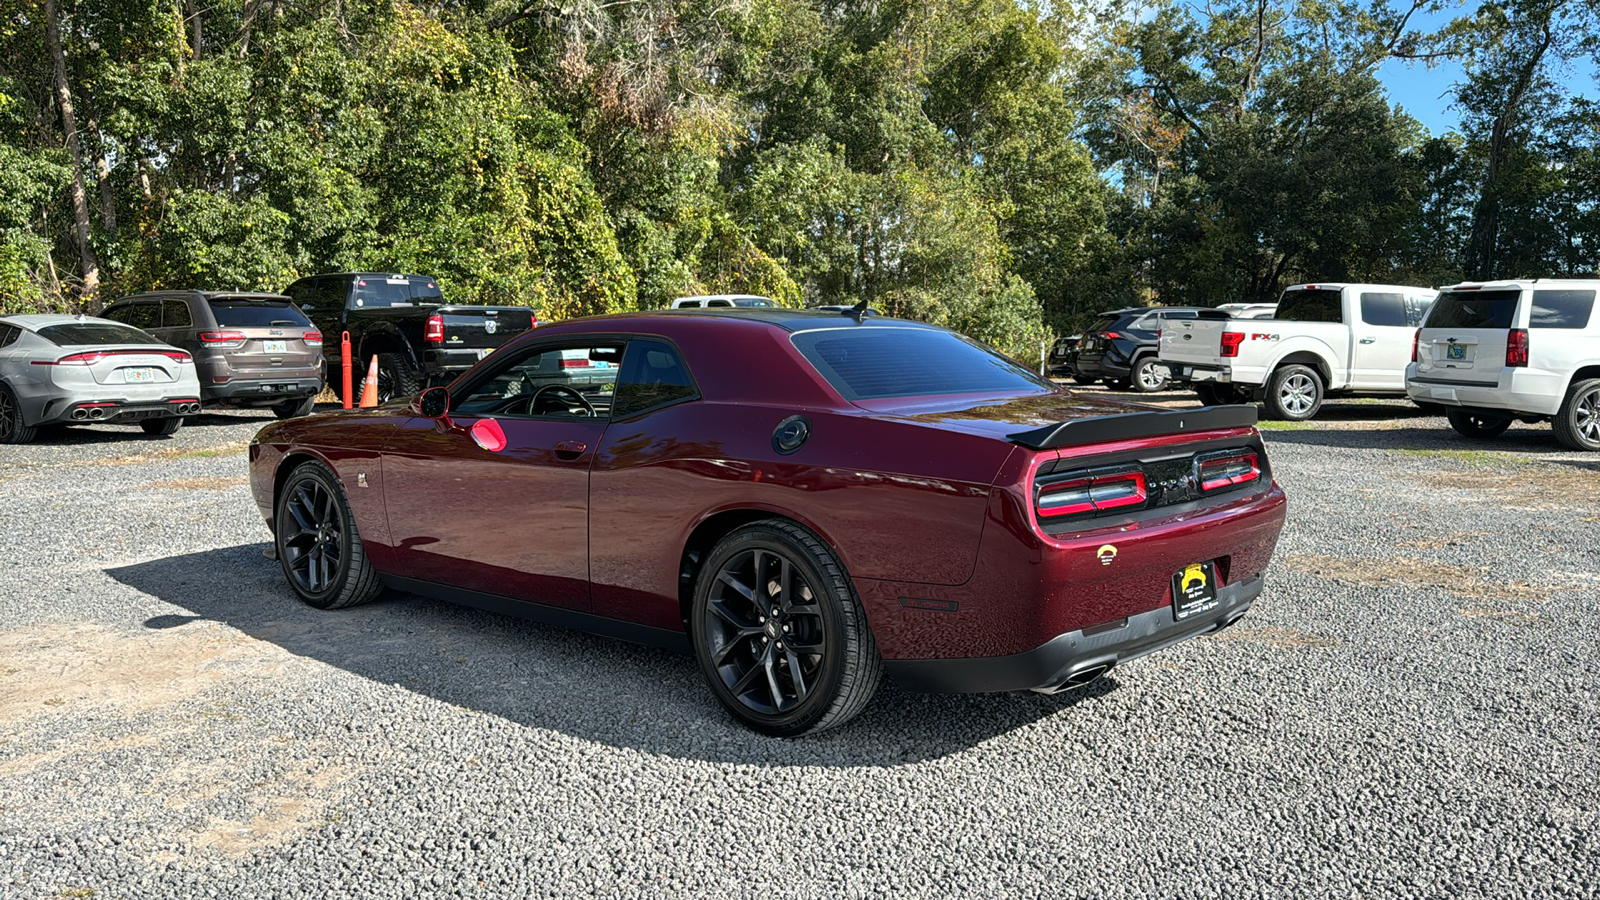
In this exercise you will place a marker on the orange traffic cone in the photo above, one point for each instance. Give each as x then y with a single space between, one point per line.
369 386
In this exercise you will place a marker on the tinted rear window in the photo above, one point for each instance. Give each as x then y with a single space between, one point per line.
1310 306
1474 309
1561 309
257 314
874 363
381 291
72 334
1383 308
1105 323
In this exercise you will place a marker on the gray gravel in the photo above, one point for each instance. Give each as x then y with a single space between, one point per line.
1409 710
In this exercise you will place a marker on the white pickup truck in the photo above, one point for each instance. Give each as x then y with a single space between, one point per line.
1325 339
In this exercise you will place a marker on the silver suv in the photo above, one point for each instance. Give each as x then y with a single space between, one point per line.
250 349
1494 352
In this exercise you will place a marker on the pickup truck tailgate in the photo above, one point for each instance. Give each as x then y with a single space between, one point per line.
483 327
1192 341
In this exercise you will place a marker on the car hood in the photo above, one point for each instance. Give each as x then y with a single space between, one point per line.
1000 417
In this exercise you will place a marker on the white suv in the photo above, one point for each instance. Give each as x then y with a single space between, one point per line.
1496 351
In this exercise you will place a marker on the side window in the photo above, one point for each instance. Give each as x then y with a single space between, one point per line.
569 381
1561 309
118 314
1417 310
653 374
140 315
302 293
719 303
332 293
8 335
1383 308
175 314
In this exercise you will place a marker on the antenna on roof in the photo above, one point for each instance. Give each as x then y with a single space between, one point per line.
859 311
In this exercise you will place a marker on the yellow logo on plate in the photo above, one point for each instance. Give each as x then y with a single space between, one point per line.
1106 553
1194 574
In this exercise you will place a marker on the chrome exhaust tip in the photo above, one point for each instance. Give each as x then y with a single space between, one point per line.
80 414
97 413
1078 678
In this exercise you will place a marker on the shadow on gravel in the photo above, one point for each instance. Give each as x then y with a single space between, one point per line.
545 677
79 435
1532 440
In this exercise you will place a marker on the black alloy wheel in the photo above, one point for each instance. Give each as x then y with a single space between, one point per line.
1476 425
317 543
396 378
293 409
780 634
12 431
1577 423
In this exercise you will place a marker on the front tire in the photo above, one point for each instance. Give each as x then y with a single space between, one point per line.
1294 393
1476 425
318 547
779 632
1149 375
12 429
1577 423
163 427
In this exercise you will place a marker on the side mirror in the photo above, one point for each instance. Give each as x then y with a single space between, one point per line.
434 403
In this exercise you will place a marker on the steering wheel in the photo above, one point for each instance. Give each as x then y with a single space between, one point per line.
535 405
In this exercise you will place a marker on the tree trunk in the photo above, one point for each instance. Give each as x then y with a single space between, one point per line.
80 198
102 174
1482 243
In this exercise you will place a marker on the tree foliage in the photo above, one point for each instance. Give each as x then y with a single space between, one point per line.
1004 167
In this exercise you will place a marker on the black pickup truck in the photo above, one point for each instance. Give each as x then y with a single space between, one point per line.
403 320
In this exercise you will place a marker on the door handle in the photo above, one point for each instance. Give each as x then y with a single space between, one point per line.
1368 340
570 450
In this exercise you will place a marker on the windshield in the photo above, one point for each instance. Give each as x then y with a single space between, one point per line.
257 313
874 363
74 334
1310 306
379 290
1474 309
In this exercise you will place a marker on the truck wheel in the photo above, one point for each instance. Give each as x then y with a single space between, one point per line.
1084 379
166 427
396 378
1577 423
1219 394
1150 375
1294 393
1476 425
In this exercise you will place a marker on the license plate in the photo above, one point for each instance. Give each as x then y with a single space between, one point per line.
275 346
1194 590
1455 351
135 376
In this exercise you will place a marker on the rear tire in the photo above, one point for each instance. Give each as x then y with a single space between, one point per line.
315 536
1577 423
12 431
1149 375
165 427
779 632
1476 425
396 378
1294 393
293 409
1085 380
1219 395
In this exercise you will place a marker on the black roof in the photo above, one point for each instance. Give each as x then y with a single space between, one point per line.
209 295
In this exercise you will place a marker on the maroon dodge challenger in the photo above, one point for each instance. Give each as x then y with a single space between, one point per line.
805 500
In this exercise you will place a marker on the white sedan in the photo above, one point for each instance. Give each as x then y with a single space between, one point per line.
78 370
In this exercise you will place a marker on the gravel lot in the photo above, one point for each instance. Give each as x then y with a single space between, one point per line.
1410 709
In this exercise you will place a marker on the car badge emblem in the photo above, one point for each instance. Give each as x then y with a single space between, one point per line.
1107 554
490 326
274 332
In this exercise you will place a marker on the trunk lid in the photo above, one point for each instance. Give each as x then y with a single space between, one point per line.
277 336
1193 341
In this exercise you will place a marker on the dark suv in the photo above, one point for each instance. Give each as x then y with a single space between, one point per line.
1121 347
250 349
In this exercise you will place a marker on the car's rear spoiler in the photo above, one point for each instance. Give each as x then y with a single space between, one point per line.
1130 426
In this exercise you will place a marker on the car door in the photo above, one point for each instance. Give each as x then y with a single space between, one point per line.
494 496
1382 341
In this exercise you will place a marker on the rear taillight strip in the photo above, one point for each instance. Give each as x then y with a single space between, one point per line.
1090 491
223 340
93 356
1226 469
1517 348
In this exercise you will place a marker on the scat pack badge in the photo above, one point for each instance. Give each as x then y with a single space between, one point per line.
1107 554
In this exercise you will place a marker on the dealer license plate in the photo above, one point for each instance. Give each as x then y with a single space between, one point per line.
1194 590
136 376
1455 351
275 346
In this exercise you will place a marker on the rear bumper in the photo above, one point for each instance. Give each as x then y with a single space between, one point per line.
118 412
1076 655
1104 366
1187 373
263 391
436 363
1515 391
